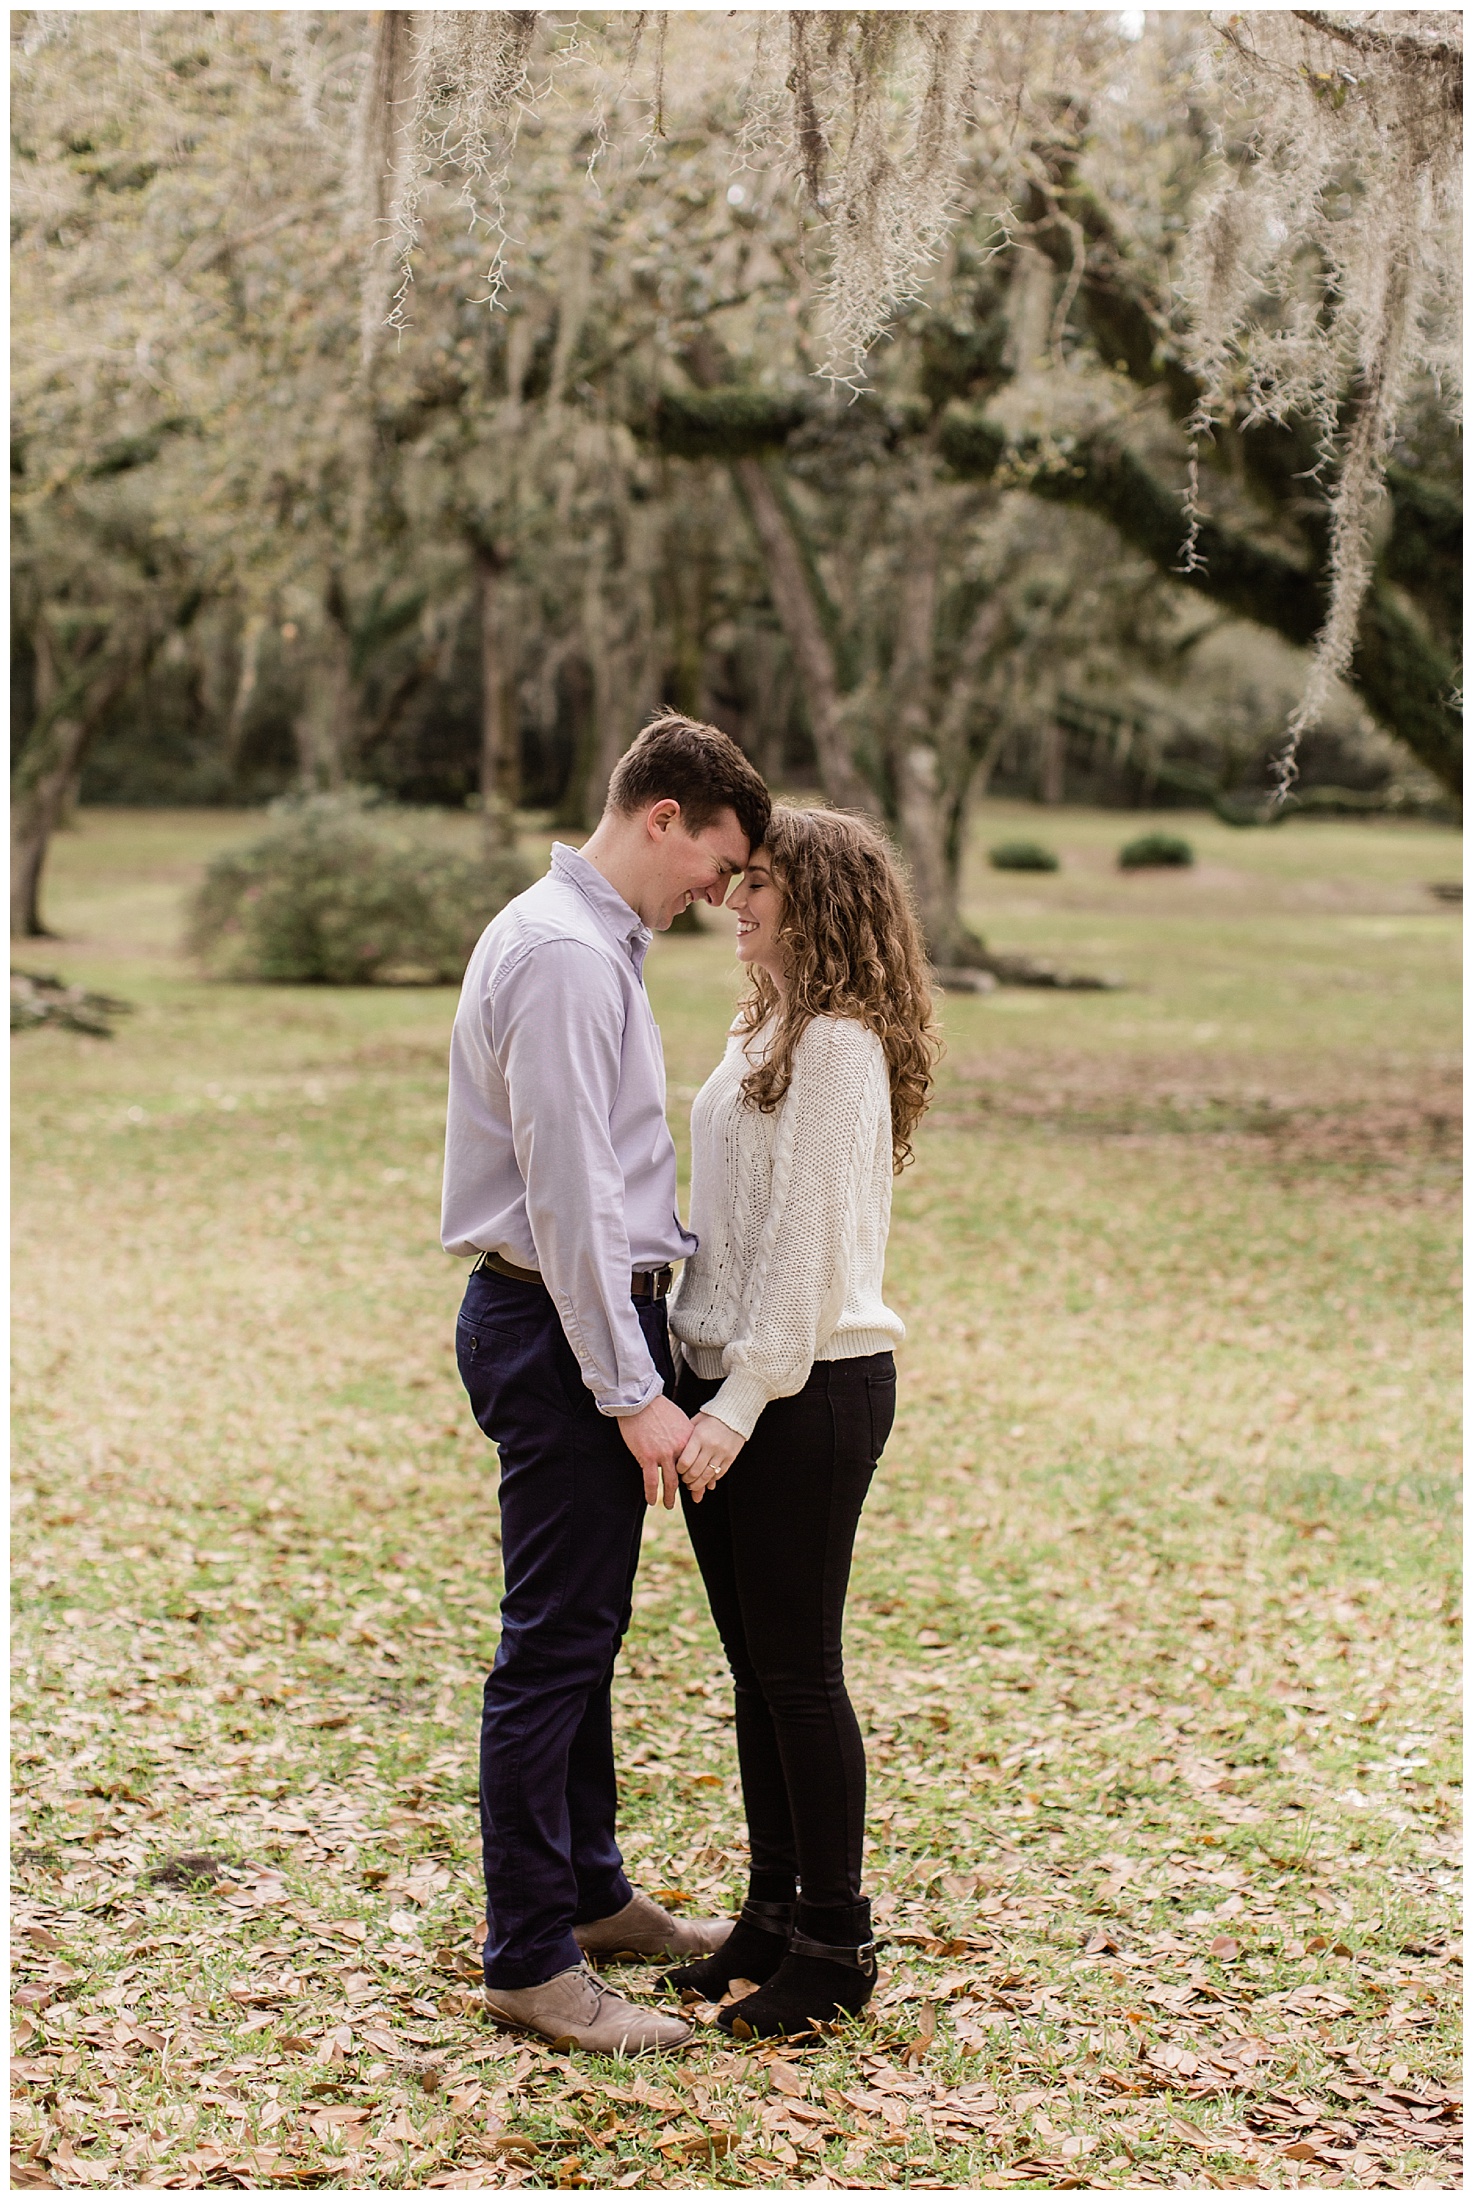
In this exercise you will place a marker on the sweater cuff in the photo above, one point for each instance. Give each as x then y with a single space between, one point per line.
739 1402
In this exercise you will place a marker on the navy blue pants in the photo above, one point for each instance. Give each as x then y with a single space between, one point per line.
572 1513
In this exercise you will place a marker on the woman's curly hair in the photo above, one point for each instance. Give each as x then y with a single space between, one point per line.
853 948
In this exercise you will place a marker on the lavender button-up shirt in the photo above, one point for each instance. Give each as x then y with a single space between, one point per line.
557 1152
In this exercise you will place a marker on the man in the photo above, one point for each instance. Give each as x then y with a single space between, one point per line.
560 1176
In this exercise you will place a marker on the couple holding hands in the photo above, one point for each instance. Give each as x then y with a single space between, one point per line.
761 1387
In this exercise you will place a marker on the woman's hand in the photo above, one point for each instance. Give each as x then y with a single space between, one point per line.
710 1450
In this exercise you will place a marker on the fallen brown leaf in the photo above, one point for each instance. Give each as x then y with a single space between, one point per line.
925 2034
515 2142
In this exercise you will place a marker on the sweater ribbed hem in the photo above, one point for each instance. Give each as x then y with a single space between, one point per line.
743 1395
708 1361
705 1360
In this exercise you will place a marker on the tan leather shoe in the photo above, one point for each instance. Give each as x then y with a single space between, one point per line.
642 1928
575 2010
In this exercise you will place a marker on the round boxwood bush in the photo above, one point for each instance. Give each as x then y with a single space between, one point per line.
1022 855
344 890
1156 851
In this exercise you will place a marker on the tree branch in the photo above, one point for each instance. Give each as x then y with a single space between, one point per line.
795 601
1405 679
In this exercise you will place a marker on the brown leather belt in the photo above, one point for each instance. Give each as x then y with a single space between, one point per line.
644 1284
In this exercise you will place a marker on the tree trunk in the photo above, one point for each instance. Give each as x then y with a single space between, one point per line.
686 592
922 820
915 767
928 745
795 602
253 635
1051 763
500 777
34 818
794 594
620 646
987 762
766 722
49 768
321 725
623 693
606 745
398 699
578 699
383 124
969 772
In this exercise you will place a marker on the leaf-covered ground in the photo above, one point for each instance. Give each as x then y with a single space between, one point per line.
1152 1628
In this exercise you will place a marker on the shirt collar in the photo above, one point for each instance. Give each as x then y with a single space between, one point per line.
607 904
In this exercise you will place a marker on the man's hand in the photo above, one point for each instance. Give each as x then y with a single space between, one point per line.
656 1435
708 1454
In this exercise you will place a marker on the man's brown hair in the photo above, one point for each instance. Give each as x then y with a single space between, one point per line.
678 759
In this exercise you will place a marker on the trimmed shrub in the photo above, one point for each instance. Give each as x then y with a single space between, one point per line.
1022 855
1156 851
345 890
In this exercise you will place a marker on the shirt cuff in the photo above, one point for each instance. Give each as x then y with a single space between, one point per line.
738 1402
624 1411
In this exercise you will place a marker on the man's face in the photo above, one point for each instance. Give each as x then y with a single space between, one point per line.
692 866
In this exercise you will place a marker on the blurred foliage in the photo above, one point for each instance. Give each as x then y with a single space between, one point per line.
1156 852
1022 855
347 892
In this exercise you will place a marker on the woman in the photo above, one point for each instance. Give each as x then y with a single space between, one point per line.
789 1376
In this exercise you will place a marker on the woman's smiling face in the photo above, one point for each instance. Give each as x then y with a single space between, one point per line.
758 902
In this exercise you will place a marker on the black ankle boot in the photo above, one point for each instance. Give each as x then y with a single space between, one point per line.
817 1981
753 1949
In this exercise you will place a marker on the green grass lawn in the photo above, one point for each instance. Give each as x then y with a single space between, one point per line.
1152 1628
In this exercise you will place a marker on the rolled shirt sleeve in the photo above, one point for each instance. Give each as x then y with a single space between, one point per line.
557 1030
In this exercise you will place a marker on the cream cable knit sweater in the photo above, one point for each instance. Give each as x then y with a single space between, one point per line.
792 1210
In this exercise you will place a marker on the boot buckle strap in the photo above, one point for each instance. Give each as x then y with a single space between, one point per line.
860 1959
769 1917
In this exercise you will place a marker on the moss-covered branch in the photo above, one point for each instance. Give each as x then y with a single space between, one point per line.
727 423
1407 681
1130 327
1406 672
1424 551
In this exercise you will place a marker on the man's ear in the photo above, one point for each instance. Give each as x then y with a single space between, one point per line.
661 816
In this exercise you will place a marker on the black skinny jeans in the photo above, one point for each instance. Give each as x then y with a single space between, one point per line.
774 1540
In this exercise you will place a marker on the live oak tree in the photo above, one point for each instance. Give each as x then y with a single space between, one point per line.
1334 213
172 443
1289 384
256 255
